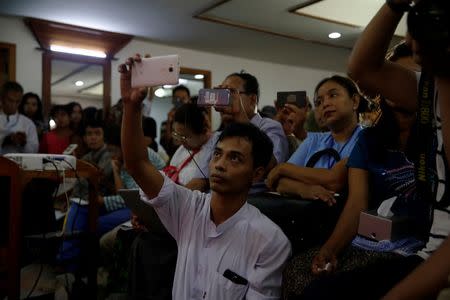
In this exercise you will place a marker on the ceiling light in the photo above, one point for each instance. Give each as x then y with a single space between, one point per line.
334 35
167 86
159 93
199 76
79 83
182 81
78 51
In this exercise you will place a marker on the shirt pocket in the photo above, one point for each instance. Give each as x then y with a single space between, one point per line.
222 288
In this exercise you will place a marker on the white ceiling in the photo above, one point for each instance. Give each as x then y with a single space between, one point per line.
272 33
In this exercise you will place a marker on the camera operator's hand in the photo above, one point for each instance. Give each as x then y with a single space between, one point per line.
130 95
236 108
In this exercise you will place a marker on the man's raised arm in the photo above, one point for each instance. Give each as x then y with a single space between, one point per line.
133 145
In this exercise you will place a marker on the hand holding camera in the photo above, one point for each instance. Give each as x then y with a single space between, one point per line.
130 95
226 100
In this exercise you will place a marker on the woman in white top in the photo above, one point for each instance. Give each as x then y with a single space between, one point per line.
191 130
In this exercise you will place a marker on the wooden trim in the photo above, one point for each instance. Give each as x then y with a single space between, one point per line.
192 71
106 88
206 81
211 7
48 32
46 82
305 4
254 28
49 56
202 16
11 60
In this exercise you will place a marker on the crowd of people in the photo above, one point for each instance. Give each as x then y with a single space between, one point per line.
365 143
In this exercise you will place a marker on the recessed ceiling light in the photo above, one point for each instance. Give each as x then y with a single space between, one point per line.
334 35
199 76
79 83
159 93
167 86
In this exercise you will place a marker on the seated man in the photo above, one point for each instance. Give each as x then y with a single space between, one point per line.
226 248
244 98
112 209
18 133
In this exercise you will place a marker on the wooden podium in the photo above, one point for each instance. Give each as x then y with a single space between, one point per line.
16 180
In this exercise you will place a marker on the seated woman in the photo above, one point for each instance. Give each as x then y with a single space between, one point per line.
317 169
380 170
190 128
58 139
31 106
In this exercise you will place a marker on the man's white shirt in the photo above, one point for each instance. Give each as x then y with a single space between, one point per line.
14 123
248 244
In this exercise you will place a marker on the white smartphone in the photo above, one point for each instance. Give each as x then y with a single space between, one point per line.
154 71
69 150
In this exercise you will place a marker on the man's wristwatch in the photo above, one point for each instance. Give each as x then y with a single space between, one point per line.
399 8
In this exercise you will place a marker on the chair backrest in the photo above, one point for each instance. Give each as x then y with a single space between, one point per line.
10 210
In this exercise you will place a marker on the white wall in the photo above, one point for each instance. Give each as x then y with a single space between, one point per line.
272 77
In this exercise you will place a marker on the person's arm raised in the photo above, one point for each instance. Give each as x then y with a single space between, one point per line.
133 144
375 75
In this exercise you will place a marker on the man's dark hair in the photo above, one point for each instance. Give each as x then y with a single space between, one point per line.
92 123
57 108
10 86
251 84
191 116
181 88
262 146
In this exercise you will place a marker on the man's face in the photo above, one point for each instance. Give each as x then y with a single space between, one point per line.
94 138
182 96
11 101
236 84
231 166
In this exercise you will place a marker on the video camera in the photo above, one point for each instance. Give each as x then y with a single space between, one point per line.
429 24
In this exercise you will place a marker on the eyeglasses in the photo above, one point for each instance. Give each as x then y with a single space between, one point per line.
179 137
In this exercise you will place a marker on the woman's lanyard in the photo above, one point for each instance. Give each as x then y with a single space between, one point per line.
332 160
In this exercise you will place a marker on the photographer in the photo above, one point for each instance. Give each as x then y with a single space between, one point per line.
431 266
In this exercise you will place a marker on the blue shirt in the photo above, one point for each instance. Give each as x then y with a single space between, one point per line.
391 174
318 141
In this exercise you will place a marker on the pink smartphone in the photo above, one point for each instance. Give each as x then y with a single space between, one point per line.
214 97
154 71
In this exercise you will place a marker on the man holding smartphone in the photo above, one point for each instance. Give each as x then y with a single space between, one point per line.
244 95
226 248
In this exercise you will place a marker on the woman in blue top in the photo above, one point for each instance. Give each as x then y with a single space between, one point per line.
380 170
338 101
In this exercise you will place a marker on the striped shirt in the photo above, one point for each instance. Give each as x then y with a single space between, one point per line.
115 202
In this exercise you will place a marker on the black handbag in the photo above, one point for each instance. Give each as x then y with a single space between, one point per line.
306 223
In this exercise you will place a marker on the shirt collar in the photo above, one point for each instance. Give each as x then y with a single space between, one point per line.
215 231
